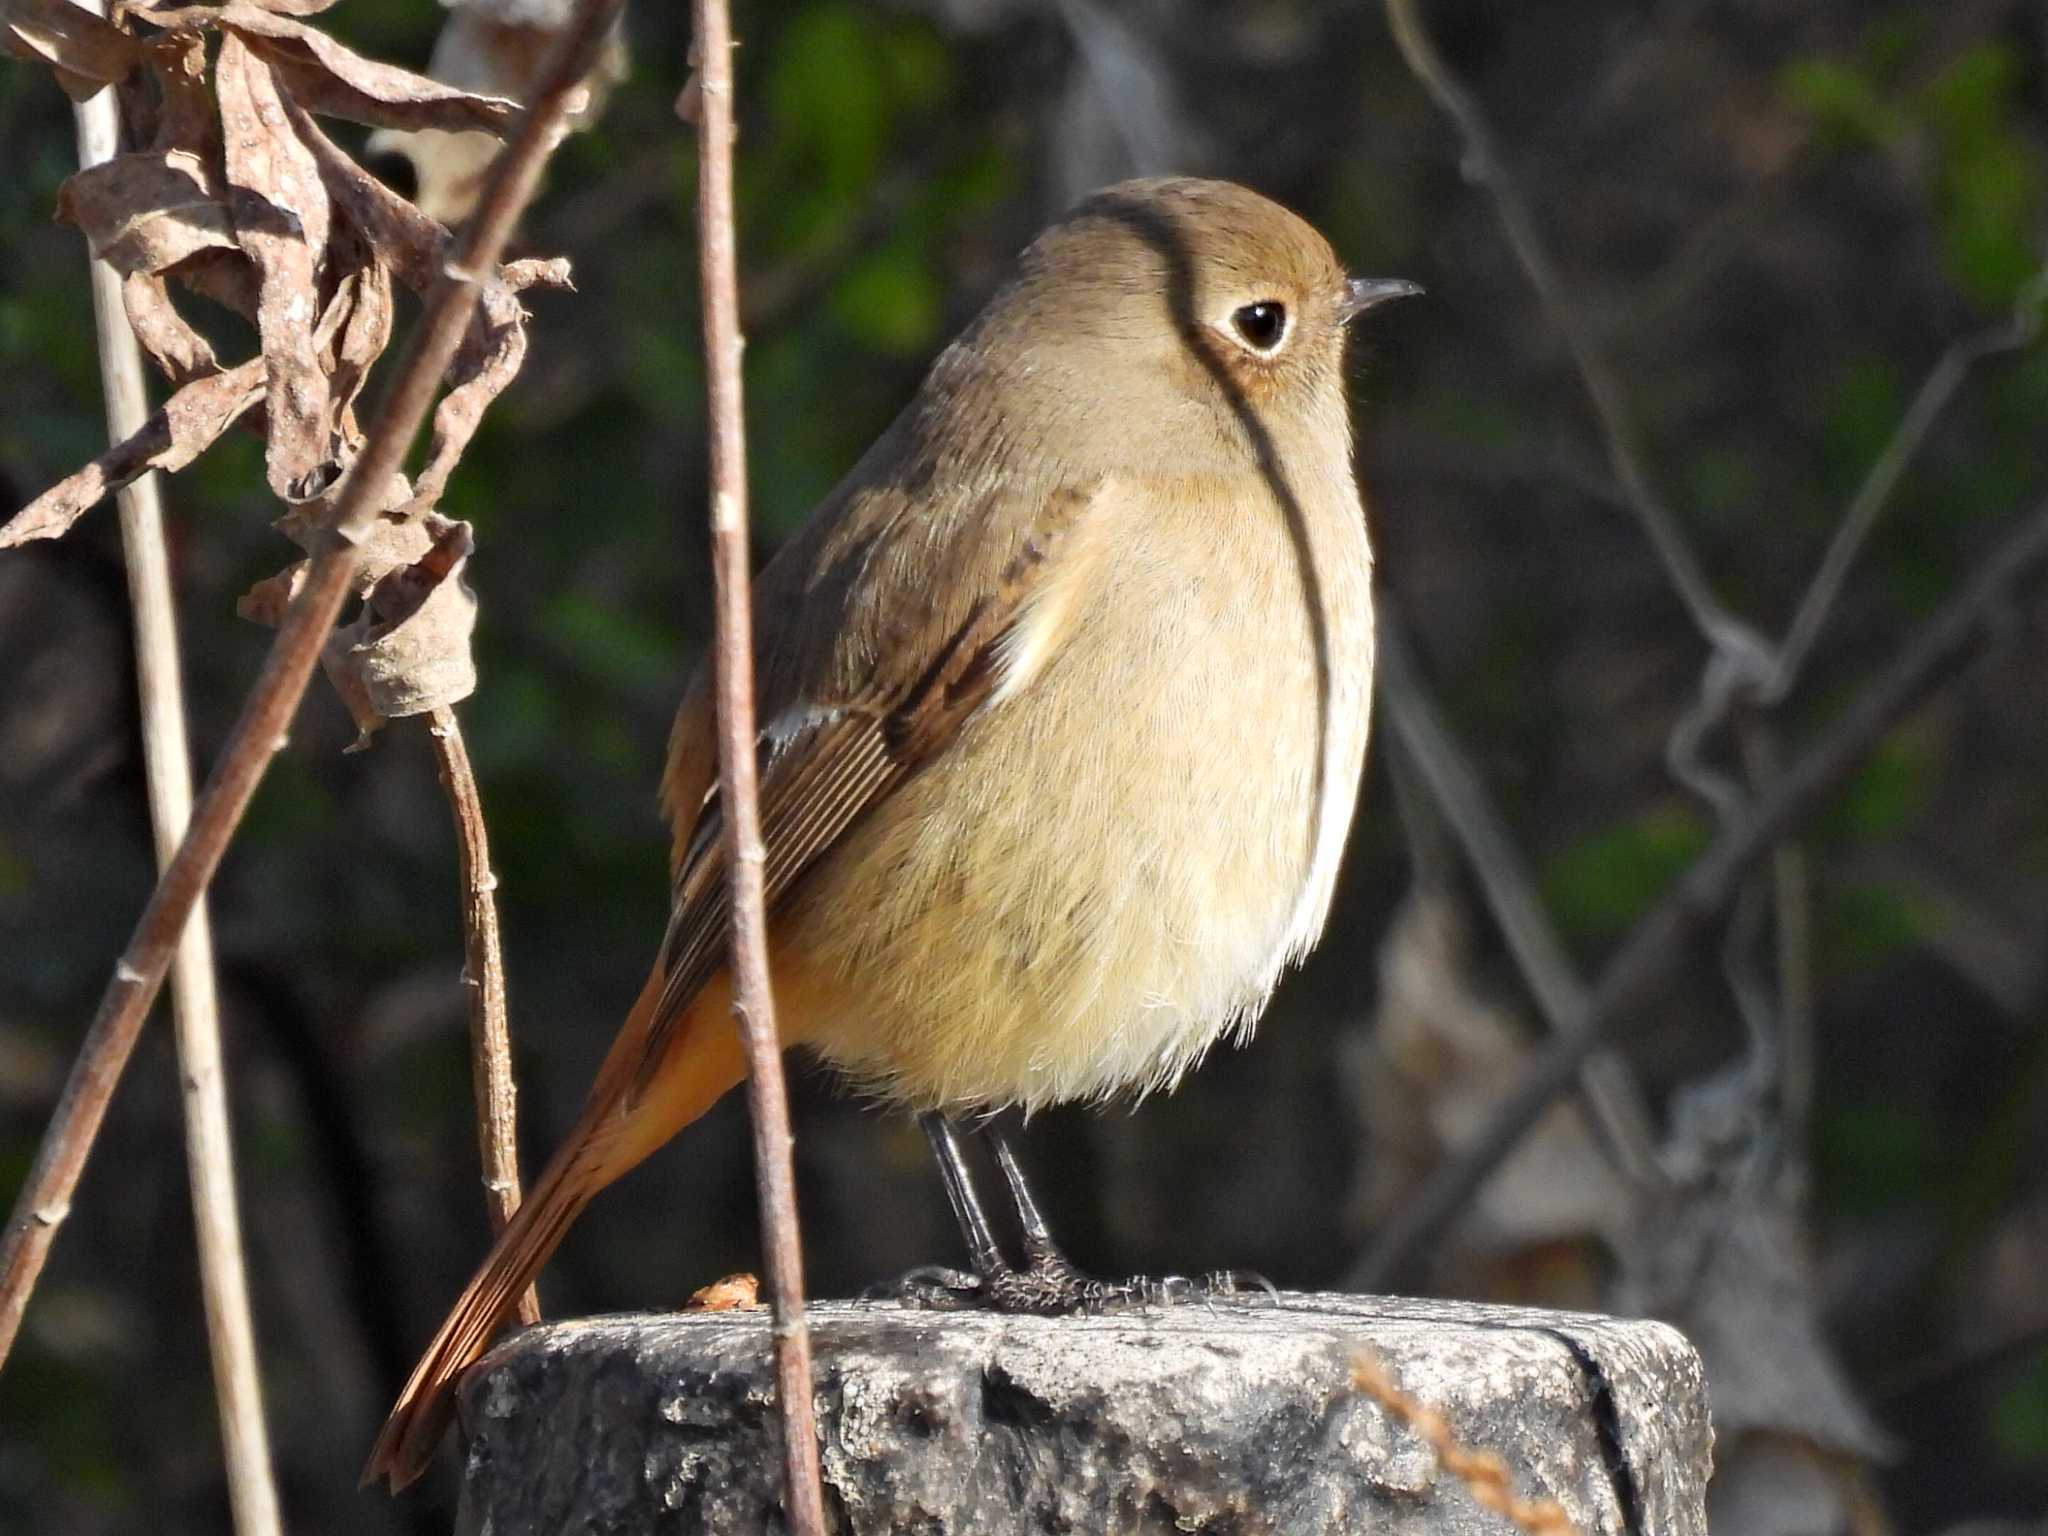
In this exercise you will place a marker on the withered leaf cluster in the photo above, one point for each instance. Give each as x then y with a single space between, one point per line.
496 46
228 188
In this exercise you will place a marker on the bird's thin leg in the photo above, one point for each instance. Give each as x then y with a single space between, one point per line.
982 1251
1049 1281
1048 1285
1041 1253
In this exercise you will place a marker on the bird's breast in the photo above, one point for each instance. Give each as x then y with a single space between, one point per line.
1116 858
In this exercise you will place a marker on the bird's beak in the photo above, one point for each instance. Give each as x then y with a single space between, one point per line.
1363 293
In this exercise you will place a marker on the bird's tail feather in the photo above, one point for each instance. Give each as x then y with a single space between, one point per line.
610 1137
413 1431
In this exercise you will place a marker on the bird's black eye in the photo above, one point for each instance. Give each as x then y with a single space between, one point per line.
1261 324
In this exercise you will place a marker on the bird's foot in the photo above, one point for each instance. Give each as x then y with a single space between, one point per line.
934 1287
1053 1287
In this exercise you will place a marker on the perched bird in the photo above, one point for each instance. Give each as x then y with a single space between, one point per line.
1064 695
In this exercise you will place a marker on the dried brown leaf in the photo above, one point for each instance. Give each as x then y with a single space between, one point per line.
181 352
295 7
732 1294
413 245
187 425
538 272
281 215
400 594
409 651
487 361
334 81
355 330
1441 1052
1726 1256
145 212
83 50
227 277
266 602
185 115
334 661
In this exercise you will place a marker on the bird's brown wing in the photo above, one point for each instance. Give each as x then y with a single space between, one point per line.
908 663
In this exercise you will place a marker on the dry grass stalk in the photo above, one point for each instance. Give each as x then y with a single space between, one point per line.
195 1013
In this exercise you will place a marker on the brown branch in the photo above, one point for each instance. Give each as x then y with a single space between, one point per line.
1657 943
753 1005
259 732
195 1009
483 979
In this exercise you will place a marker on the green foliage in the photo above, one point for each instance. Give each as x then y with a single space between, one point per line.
1862 925
1986 188
2019 1416
615 647
1874 1153
83 1440
292 805
840 84
1890 790
1602 883
14 872
1850 107
889 300
1868 399
1988 180
1724 484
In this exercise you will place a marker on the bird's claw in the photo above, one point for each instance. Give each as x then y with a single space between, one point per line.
1052 1287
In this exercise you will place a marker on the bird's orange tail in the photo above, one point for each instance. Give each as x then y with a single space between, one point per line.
612 1135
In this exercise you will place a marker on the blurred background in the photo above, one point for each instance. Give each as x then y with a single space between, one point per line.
1771 222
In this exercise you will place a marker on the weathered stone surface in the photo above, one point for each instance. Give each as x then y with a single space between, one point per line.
1232 1419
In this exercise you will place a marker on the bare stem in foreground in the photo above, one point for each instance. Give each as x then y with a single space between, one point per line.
259 732
483 981
753 1006
1656 944
195 1011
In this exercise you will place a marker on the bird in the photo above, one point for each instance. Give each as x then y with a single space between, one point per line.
1064 695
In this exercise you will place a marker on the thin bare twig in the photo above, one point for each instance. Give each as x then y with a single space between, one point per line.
1616 1100
1790 1023
753 1004
2017 330
1723 684
1658 941
1729 636
195 1011
259 732
483 979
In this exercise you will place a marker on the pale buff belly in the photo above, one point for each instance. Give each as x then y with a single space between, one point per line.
1107 871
